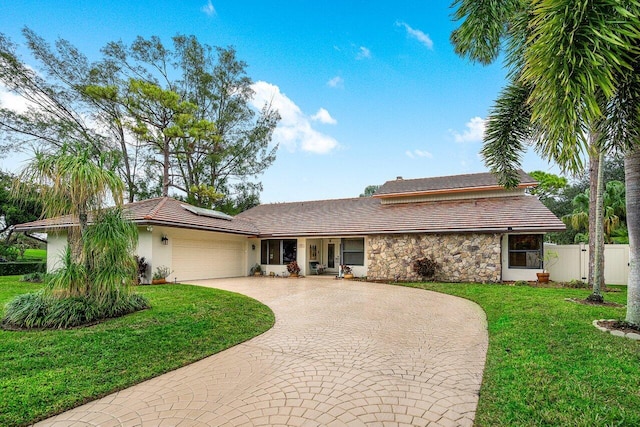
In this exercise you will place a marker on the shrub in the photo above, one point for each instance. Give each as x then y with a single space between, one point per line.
426 268
162 272
35 277
578 284
521 283
18 268
48 311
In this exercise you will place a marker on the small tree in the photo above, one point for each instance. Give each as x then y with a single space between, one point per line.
426 267
99 266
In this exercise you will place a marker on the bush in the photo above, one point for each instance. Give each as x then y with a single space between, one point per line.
36 277
521 283
577 284
19 268
426 268
43 310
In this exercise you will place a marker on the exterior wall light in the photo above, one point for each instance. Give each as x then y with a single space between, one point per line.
164 239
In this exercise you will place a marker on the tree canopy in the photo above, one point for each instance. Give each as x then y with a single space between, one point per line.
174 119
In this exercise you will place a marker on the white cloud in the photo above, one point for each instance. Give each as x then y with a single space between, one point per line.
363 53
474 132
323 116
209 9
417 34
418 153
294 129
12 101
337 81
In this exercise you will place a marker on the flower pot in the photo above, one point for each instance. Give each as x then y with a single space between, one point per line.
158 281
257 273
294 275
348 276
543 277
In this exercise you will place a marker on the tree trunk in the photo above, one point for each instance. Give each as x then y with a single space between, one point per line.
632 181
596 220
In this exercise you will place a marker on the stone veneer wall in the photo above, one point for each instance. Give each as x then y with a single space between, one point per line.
462 257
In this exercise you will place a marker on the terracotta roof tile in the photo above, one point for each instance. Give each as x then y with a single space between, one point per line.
440 183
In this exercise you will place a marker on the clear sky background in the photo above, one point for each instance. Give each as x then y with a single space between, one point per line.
367 90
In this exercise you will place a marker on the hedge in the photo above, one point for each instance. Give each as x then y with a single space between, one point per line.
19 268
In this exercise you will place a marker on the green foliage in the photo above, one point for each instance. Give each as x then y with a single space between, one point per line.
16 268
17 208
369 190
614 214
549 185
36 277
183 108
426 267
162 272
521 283
47 372
546 364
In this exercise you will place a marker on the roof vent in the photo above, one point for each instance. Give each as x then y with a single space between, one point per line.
399 178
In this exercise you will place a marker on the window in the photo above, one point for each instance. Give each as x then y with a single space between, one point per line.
525 251
278 251
353 251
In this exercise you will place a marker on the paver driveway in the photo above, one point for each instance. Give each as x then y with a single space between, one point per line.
340 353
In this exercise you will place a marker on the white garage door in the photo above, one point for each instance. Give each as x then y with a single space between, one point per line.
207 259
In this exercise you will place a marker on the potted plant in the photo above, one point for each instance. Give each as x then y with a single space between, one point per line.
550 258
347 272
256 270
161 274
293 268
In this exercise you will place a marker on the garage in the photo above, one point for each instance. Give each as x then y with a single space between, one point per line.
207 259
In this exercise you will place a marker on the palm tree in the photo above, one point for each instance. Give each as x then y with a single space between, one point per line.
573 81
614 211
74 181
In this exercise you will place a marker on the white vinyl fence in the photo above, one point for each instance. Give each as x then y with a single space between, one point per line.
573 263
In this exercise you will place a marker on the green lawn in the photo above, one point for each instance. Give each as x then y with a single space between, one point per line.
34 255
46 372
546 364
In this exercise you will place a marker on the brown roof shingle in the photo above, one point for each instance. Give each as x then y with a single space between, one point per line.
474 181
366 215
159 211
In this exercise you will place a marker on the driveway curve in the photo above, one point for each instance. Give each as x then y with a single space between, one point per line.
340 354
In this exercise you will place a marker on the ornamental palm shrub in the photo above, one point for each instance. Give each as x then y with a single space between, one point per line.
91 289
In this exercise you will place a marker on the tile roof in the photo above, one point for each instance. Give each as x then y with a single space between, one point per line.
159 211
357 216
476 181
367 215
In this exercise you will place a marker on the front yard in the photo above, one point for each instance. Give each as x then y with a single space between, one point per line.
547 364
43 373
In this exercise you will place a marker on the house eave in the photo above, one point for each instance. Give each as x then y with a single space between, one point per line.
489 230
450 191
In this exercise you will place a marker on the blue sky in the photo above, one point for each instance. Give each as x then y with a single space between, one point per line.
367 90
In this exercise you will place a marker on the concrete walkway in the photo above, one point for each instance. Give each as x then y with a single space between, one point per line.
340 354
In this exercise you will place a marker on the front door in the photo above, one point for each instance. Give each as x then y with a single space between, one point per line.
331 255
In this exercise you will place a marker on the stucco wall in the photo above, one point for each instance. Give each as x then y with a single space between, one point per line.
462 257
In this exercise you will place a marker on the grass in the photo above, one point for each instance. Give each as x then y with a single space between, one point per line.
34 255
546 364
43 373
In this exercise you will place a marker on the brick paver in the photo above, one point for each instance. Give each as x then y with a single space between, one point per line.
340 354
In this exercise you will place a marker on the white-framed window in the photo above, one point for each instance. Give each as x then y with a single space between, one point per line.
353 251
525 251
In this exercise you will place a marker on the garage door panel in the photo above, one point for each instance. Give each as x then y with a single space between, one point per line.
207 259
